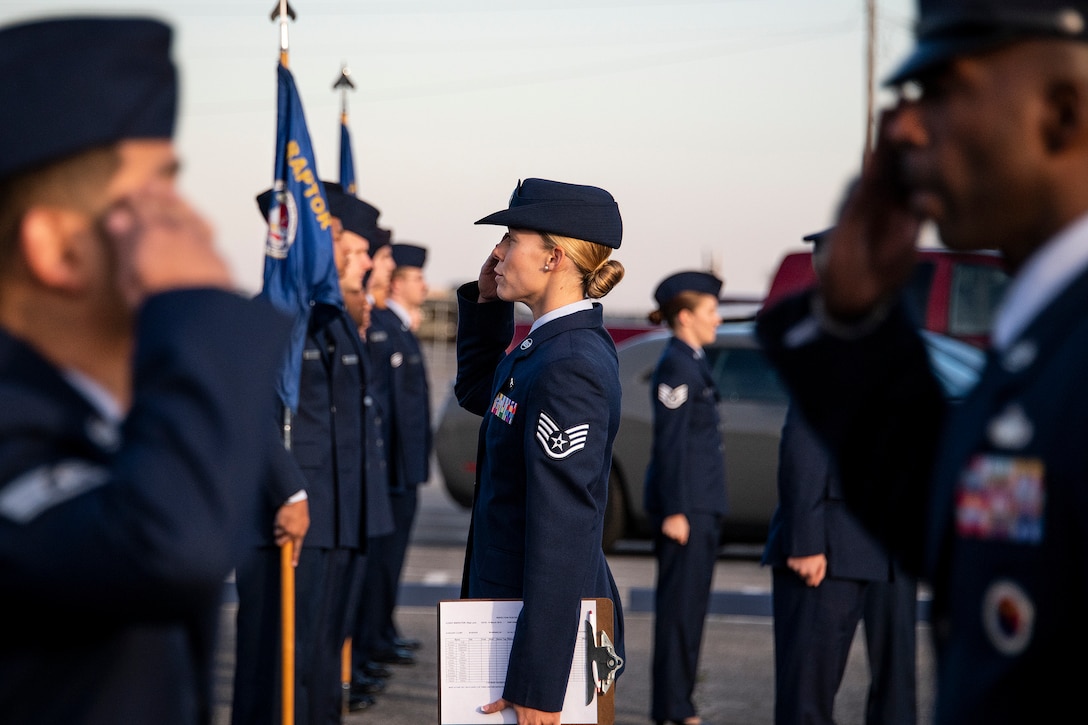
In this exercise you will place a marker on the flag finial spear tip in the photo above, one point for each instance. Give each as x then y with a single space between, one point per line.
279 5
344 80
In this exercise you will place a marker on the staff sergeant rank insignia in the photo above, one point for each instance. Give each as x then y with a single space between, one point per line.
558 443
672 398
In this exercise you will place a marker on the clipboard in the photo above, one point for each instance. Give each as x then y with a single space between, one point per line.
474 640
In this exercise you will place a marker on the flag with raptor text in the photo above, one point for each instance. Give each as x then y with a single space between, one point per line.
299 270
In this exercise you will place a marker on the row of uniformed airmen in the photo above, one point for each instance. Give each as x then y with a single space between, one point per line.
359 443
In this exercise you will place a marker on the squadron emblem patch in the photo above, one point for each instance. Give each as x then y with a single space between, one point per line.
282 223
672 398
559 443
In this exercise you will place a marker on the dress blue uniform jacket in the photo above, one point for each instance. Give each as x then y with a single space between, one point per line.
551 410
115 541
687 468
286 477
395 350
1007 564
376 409
812 518
686 476
330 408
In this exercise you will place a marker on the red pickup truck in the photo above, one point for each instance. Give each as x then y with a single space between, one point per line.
953 293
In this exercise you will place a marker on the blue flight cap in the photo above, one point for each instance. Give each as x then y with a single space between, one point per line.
355 214
701 282
569 210
73 84
409 255
381 238
948 29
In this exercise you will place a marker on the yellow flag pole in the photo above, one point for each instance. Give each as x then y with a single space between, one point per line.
283 12
287 608
287 623
345 674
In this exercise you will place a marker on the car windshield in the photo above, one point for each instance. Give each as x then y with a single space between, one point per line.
975 294
744 374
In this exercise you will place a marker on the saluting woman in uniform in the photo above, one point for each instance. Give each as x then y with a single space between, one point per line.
685 487
551 409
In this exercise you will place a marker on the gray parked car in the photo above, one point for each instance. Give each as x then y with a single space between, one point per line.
752 410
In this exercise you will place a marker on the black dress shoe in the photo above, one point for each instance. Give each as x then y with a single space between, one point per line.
359 702
374 669
367 685
407 643
395 656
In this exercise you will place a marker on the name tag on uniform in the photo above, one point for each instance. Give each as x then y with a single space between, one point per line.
1001 498
503 408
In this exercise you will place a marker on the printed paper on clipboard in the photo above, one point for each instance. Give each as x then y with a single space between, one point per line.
475 637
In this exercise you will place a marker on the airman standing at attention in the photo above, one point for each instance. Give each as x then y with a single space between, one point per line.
396 352
828 575
685 488
551 410
327 450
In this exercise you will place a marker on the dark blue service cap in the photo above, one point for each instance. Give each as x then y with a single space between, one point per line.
948 29
702 282
355 214
77 83
382 237
569 210
409 255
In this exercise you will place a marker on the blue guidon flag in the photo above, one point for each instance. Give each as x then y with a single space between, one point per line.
299 270
347 166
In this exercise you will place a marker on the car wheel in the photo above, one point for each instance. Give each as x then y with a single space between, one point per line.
615 514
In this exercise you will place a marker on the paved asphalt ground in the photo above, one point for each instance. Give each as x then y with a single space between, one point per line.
736 679
736 669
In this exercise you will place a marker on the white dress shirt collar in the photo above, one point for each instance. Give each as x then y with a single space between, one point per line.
1046 274
561 312
95 394
400 312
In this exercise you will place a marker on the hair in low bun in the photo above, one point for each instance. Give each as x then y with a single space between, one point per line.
601 281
